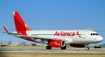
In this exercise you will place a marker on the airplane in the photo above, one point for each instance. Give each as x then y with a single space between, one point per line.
54 38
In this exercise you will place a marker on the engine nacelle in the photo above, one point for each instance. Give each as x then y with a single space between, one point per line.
56 43
77 45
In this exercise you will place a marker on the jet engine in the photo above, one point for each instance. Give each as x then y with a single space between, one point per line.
56 43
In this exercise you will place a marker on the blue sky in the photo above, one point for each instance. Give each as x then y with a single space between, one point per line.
53 14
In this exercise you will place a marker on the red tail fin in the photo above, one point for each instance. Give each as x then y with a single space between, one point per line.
19 23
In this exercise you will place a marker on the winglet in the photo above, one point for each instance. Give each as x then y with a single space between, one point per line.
5 29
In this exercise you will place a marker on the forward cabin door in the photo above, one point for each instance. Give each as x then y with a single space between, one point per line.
84 37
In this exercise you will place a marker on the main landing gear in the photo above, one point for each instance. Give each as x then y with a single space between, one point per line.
63 48
49 48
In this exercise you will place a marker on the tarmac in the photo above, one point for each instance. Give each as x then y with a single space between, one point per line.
97 50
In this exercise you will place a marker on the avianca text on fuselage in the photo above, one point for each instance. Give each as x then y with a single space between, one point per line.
62 33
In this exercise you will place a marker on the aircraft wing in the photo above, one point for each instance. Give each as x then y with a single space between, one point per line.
39 37
46 38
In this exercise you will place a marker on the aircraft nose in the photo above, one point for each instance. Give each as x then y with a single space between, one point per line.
100 38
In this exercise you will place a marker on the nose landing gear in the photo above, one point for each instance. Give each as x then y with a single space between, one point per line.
87 48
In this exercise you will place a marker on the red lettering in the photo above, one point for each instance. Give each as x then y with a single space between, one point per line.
67 34
57 34
63 33
78 34
72 34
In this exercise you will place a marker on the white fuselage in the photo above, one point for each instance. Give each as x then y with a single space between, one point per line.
77 36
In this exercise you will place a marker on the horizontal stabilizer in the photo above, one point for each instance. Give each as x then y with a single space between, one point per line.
10 33
5 29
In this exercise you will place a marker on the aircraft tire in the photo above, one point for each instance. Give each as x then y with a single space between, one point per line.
63 48
48 47
87 48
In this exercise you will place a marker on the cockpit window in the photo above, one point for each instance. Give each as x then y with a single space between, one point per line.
94 34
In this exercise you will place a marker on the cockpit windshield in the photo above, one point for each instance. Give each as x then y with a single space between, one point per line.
94 34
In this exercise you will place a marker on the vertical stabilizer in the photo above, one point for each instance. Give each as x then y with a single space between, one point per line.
20 25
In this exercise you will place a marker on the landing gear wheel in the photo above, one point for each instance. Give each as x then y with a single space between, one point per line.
87 48
63 48
48 47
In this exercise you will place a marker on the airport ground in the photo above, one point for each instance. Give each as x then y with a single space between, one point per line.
40 51
30 54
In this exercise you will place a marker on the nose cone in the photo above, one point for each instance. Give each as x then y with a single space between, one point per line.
99 38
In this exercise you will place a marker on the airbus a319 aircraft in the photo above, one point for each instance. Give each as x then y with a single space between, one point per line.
54 38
